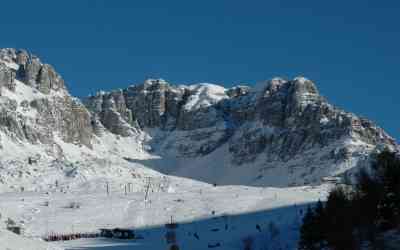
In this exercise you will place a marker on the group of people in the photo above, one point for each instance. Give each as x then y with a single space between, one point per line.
75 236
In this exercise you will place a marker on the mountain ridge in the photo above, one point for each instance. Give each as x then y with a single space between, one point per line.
283 131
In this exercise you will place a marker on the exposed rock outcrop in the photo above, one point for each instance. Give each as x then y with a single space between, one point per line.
276 123
41 108
34 73
278 119
7 77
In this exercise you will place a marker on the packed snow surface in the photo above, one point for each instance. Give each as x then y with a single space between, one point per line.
222 214
11 241
70 196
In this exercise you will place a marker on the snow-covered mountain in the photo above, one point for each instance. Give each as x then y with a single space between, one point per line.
103 152
279 133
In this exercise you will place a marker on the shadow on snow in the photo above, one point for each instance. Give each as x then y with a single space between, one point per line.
276 228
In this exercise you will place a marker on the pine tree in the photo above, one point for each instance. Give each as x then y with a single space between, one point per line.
306 231
339 220
312 231
368 193
352 216
388 170
319 223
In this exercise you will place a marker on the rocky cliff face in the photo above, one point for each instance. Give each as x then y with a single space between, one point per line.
278 125
280 118
35 105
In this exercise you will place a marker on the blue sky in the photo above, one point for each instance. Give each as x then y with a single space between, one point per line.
349 48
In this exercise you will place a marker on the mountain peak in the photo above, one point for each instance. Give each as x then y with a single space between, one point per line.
29 69
305 85
269 85
276 127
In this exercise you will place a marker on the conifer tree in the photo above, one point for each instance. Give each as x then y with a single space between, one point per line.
339 221
388 170
307 240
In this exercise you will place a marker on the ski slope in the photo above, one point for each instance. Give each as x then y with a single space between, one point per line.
11 241
222 214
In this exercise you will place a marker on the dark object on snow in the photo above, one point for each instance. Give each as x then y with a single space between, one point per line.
258 228
196 236
32 161
171 225
170 236
117 233
123 233
248 243
66 237
214 245
15 229
174 247
107 233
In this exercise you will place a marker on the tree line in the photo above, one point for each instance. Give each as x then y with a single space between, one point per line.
355 216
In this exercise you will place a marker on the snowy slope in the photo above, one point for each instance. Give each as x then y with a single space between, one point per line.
204 95
266 148
237 212
11 241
